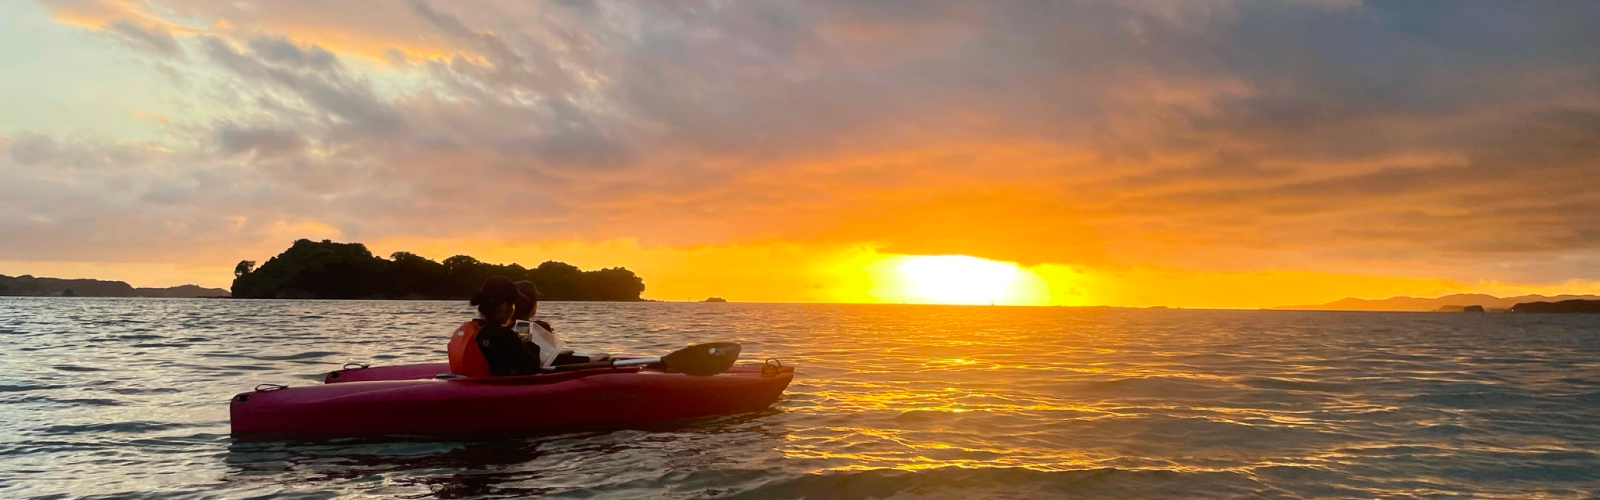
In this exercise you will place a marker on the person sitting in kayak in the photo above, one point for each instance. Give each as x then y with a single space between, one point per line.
526 310
487 346
536 335
551 349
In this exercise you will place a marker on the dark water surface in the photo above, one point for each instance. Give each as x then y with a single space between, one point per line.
127 398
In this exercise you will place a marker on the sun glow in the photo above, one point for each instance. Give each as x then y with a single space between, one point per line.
954 279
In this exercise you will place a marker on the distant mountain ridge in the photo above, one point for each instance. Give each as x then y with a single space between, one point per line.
1433 304
28 285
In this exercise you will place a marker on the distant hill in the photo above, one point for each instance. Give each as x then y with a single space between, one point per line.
181 291
1446 303
1565 306
28 285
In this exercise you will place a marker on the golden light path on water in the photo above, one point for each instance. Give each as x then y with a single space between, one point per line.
963 393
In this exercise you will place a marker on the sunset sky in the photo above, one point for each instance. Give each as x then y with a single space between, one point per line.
1205 153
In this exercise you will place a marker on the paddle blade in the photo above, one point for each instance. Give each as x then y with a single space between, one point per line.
703 360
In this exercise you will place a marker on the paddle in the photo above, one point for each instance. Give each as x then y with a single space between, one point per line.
701 360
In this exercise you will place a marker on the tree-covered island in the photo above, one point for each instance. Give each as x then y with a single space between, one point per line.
328 270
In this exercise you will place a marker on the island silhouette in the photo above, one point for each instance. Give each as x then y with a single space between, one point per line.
330 270
1447 303
1564 306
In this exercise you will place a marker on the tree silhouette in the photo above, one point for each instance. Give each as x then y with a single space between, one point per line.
328 270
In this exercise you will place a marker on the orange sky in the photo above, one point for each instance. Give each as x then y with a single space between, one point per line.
1201 154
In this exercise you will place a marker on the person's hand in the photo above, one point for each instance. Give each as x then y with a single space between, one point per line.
546 326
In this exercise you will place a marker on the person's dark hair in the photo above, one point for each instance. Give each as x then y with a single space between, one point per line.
497 291
525 309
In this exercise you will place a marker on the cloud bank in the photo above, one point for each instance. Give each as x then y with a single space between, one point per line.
1454 141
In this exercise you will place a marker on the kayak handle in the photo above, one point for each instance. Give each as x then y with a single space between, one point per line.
354 366
270 387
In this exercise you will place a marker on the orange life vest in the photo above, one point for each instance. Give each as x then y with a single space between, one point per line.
466 358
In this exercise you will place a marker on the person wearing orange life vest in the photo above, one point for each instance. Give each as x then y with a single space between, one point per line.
487 346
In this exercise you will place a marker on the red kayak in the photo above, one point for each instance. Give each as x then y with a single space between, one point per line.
410 400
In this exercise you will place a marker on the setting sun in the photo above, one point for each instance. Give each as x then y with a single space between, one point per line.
954 279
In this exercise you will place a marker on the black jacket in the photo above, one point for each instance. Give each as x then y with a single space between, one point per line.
505 351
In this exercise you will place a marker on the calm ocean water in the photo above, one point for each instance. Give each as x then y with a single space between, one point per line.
127 398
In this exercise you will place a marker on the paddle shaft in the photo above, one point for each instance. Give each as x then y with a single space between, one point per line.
635 361
702 360
613 363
